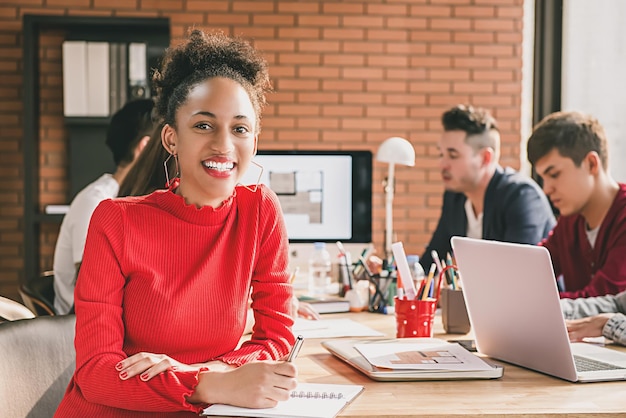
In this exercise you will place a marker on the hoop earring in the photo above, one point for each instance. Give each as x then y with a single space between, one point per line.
256 186
168 182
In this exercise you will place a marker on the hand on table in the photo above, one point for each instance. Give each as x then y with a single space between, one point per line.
592 326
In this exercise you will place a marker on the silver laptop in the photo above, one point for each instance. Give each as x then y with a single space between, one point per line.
513 305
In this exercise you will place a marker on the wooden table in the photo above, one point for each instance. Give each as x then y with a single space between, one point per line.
519 393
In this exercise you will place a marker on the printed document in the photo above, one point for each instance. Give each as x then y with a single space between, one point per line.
429 354
332 328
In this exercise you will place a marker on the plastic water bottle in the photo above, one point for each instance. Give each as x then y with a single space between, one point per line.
319 270
417 271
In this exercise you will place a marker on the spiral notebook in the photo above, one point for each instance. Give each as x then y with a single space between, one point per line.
308 400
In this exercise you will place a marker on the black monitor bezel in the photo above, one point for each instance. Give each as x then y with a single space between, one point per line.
362 174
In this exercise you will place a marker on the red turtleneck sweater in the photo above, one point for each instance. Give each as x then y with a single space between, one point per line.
164 277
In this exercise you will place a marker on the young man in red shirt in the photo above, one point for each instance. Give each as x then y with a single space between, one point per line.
588 245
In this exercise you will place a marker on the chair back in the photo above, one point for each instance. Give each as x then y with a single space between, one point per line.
38 294
37 360
11 310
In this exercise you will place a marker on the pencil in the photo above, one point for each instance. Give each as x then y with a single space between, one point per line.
292 278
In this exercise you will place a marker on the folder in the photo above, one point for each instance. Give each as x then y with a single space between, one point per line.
345 350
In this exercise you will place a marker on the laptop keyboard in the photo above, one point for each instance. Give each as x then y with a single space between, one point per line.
584 364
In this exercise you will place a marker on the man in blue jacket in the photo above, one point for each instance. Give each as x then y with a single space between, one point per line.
483 199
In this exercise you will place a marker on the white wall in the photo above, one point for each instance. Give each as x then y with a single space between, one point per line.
594 69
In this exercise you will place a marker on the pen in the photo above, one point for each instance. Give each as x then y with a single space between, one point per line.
435 256
296 348
293 275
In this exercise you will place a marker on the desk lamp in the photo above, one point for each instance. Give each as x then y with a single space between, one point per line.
394 150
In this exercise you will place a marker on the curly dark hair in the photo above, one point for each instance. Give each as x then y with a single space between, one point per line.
203 56
573 134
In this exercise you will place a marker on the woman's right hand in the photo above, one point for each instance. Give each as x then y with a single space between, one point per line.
253 385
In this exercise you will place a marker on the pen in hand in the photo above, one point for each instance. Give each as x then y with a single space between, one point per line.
296 348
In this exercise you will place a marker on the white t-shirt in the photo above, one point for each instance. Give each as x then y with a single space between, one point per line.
474 223
72 236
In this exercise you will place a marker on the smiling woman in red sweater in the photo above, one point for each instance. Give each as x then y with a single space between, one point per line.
162 293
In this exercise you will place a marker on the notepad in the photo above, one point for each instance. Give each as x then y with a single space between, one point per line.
308 400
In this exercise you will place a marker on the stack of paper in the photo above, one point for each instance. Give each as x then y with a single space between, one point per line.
412 359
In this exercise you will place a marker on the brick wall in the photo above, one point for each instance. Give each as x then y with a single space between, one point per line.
347 74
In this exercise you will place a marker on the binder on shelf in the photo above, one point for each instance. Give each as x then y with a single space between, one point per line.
75 78
98 78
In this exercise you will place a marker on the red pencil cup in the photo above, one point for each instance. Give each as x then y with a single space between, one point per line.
414 318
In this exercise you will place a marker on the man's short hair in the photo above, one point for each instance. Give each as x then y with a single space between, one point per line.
480 127
572 134
128 125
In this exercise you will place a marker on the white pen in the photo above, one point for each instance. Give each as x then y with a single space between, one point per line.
296 348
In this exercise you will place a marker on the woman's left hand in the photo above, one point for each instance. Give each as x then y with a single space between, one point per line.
148 365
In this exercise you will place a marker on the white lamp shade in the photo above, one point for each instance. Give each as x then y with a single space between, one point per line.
396 150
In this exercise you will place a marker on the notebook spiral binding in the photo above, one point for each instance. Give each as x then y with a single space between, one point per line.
316 395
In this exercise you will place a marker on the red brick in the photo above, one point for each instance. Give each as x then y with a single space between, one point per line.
367 72
431 36
115 4
386 86
299 7
223 19
342 8
387 9
255 6
404 22
406 74
496 24
299 33
472 87
343 110
450 24
502 75
136 13
319 46
361 123
368 22
318 20
474 11
208 6
343 33
297 85
342 85
431 62
472 62
388 35
474 37
430 87
273 20
276 45
342 136
447 99
318 72
451 74
302 58
8 12
405 99
365 46
449 49
387 60
362 98
493 50
431 11
320 123
278 71
347 60
513 12
515 38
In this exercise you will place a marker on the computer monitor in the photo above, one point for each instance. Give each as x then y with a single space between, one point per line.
325 195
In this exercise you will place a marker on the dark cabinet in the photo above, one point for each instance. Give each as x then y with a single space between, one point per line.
87 156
